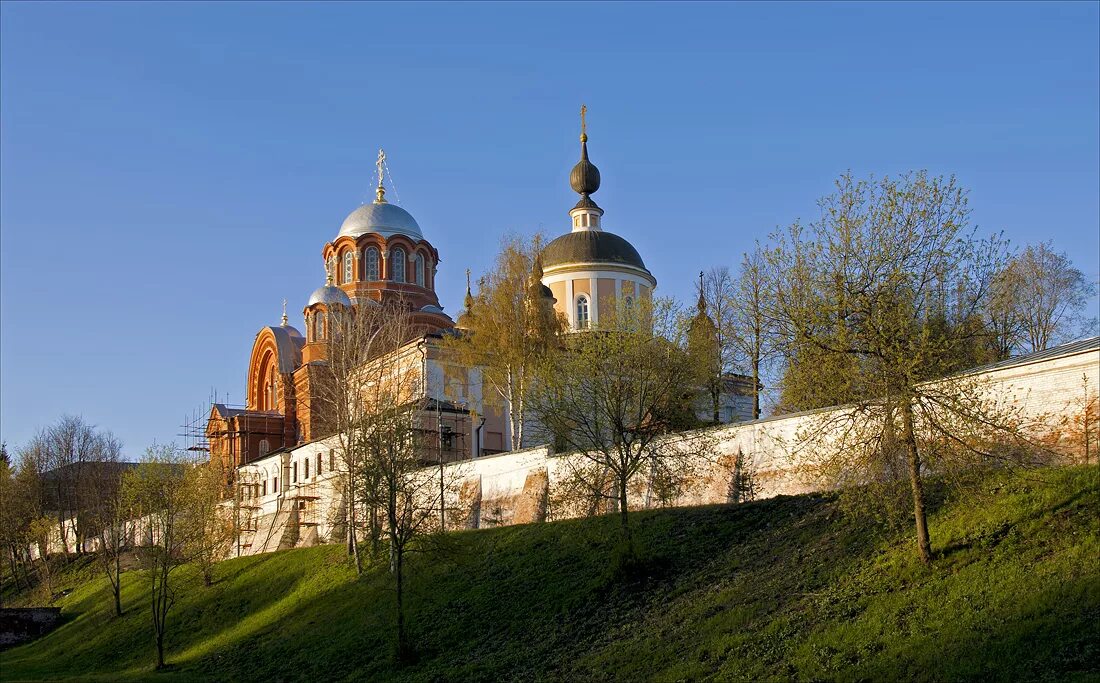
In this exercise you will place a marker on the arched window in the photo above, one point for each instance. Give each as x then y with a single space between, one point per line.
349 267
582 311
270 402
398 267
371 257
420 269
629 303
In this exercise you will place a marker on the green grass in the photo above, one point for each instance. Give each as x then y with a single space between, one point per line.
783 588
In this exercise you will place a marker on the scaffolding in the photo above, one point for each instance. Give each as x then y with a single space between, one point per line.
235 439
305 497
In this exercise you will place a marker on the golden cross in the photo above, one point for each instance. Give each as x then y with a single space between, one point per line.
584 129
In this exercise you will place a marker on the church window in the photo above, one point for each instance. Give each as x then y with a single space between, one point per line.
420 269
318 464
265 487
629 303
274 484
331 460
294 473
372 264
398 265
305 464
349 267
582 311
264 447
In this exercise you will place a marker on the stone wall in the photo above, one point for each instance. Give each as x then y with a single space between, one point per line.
519 487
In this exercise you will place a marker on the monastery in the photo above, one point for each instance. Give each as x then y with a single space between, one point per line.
380 255
280 443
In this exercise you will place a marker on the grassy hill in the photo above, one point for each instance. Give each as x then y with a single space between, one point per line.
783 588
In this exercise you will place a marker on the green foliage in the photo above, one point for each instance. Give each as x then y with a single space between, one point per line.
778 589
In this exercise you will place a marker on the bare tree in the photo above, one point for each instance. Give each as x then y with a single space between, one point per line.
354 337
611 395
750 322
716 341
107 514
391 445
1050 295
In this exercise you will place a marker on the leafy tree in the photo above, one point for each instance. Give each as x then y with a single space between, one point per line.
509 327
156 491
208 523
874 301
610 396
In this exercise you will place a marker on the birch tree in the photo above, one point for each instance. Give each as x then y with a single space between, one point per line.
509 328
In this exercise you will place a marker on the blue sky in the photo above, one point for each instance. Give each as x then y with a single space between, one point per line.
170 172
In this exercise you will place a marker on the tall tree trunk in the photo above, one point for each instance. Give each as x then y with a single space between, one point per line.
624 522
756 386
118 584
399 576
924 546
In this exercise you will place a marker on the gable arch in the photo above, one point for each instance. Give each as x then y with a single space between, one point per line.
276 353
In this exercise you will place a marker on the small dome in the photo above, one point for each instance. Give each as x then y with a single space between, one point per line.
591 246
383 218
431 309
585 177
329 295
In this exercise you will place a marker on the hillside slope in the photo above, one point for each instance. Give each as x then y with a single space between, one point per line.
783 588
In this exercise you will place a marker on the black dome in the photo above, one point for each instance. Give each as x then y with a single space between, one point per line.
591 246
585 177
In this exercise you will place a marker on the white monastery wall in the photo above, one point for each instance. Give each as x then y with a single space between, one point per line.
518 487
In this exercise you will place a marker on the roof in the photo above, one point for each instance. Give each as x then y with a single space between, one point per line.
383 218
1068 349
591 246
288 344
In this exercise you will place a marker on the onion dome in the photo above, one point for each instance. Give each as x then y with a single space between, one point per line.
329 295
585 177
591 246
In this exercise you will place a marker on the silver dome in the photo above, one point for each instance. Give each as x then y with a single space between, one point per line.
383 218
329 295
